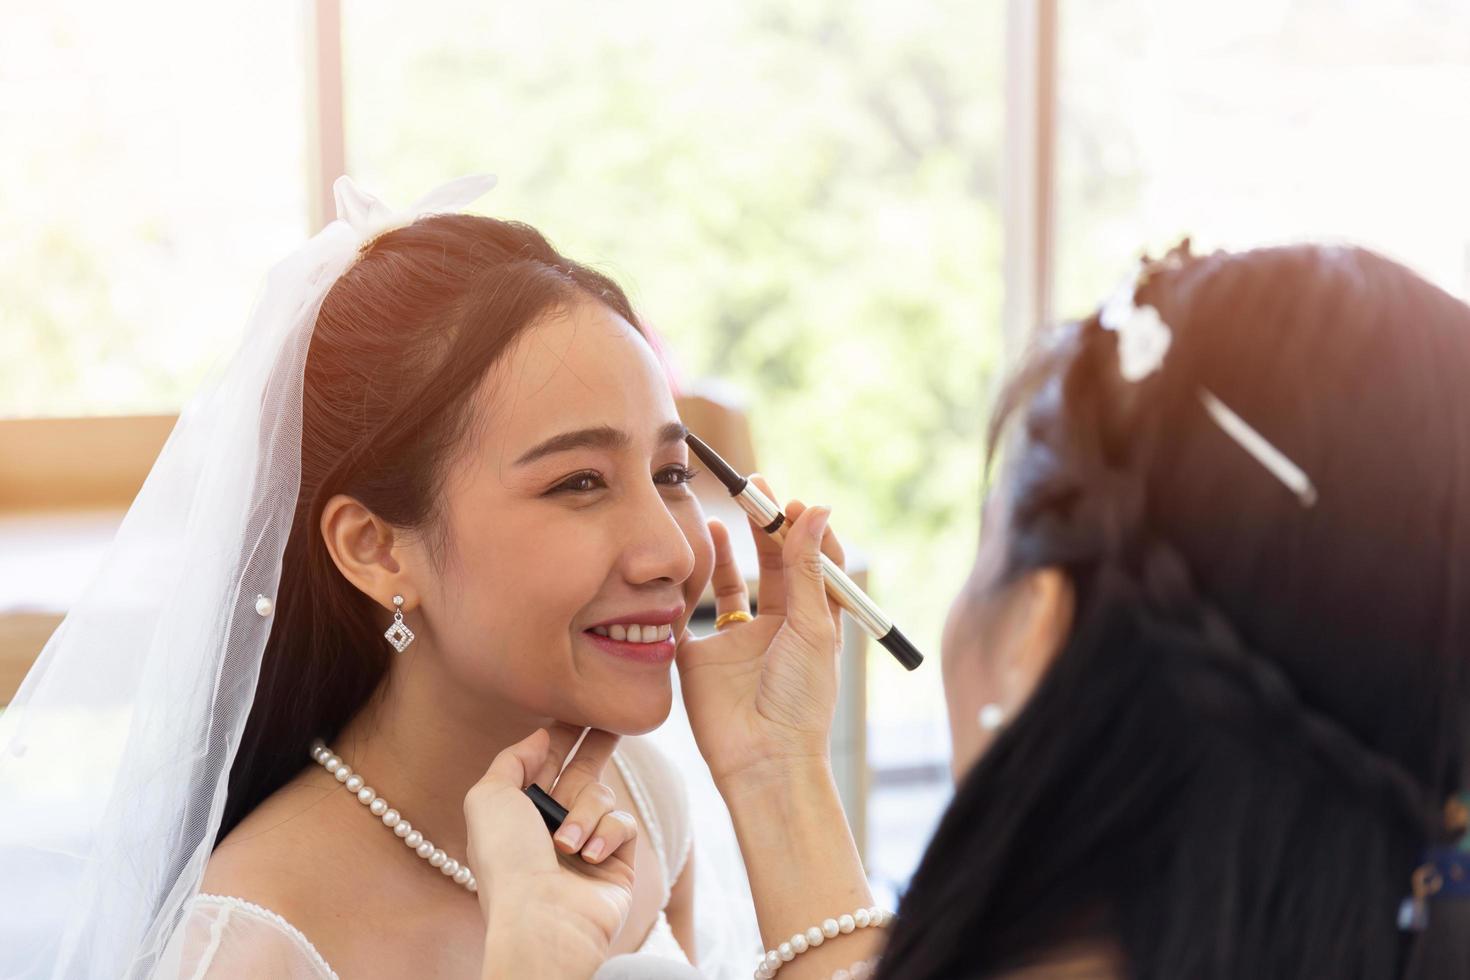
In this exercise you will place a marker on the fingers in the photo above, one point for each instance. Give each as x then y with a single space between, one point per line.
594 826
731 594
586 766
497 813
771 594
512 768
808 610
563 740
616 833
831 547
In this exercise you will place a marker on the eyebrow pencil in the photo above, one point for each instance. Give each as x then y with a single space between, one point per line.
764 512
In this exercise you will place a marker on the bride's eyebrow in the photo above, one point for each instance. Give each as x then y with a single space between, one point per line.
597 437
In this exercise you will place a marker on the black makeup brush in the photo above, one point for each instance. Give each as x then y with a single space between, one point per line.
764 512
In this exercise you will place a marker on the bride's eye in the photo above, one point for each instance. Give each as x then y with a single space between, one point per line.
584 482
675 476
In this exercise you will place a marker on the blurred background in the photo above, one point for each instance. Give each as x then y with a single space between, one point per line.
841 218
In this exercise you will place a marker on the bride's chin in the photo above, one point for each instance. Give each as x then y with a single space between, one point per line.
631 712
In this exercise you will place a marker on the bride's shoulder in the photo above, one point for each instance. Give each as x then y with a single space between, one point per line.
229 937
266 857
263 887
298 874
248 917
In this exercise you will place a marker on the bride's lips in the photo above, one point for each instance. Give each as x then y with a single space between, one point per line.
660 652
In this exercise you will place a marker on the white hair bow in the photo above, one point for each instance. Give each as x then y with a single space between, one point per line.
370 217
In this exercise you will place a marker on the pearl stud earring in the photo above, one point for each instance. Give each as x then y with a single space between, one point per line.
992 717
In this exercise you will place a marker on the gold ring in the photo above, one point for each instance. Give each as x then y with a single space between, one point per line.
733 616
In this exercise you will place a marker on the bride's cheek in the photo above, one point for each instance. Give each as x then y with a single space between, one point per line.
696 530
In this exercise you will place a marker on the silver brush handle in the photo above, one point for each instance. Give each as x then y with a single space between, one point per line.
839 586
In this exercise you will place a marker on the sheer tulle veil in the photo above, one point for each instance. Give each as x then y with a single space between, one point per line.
116 750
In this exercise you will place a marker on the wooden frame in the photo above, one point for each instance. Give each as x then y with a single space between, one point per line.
67 463
326 138
1028 191
72 473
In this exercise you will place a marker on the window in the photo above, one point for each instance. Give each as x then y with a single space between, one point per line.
1260 122
153 169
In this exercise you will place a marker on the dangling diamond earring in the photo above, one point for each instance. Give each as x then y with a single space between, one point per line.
399 634
992 716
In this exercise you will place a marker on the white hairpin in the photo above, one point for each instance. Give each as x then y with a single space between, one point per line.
1256 444
1144 339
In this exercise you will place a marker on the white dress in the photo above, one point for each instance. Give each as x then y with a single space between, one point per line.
227 938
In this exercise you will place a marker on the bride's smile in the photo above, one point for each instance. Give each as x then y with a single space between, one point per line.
642 637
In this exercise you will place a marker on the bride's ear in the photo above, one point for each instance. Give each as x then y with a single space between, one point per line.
361 546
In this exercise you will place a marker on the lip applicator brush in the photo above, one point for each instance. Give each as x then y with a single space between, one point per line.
764 512
552 812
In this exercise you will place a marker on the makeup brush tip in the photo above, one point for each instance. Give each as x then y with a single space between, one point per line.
722 470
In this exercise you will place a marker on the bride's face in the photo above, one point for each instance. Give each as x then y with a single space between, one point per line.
568 511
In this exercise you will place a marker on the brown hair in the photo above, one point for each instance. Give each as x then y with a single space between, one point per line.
402 341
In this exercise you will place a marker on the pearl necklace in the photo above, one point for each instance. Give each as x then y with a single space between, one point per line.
401 828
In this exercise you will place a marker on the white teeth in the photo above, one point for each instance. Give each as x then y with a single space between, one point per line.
635 633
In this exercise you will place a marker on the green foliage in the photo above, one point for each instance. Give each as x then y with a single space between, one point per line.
802 200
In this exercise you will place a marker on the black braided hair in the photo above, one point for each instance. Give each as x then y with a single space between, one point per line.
1236 759
1204 638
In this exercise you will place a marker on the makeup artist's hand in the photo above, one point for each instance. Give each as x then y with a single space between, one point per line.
761 695
550 909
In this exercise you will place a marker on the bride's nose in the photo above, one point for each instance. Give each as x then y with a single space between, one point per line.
654 545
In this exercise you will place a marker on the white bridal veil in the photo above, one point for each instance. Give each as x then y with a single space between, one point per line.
116 751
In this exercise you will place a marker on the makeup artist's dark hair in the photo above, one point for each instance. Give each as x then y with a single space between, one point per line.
401 343
1240 751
